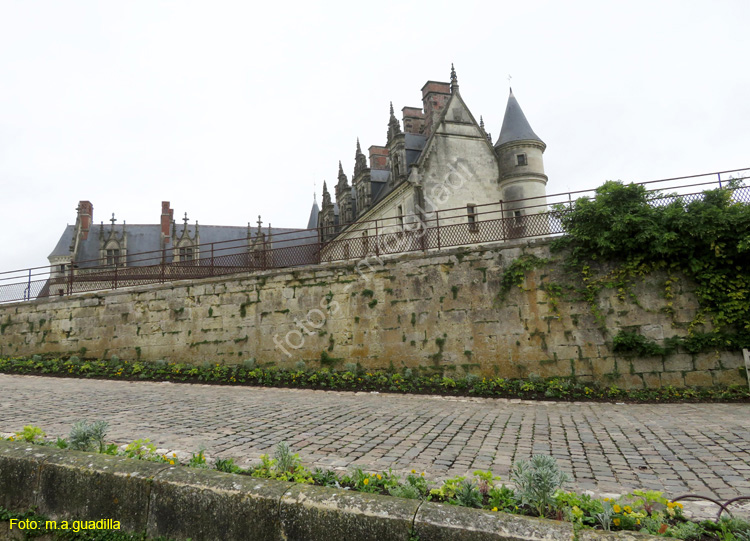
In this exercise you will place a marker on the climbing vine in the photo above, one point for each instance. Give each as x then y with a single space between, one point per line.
637 232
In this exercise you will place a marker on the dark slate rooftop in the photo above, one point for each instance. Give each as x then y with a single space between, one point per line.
515 126
229 240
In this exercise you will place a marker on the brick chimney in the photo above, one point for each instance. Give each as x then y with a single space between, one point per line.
413 120
85 217
378 157
167 215
435 96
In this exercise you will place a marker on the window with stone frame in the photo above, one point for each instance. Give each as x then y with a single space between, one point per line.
521 160
113 257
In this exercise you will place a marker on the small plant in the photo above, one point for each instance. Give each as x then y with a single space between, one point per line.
537 480
86 436
198 460
285 461
31 433
468 494
249 364
140 449
226 465
350 367
326 478
301 366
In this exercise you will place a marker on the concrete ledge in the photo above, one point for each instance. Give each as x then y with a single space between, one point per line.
181 503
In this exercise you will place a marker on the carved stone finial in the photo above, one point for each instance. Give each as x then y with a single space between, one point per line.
481 122
260 222
359 148
113 219
185 219
454 79
394 128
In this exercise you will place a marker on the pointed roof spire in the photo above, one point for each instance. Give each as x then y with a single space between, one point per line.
341 169
394 128
454 79
515 126
360 161
312 221
481 122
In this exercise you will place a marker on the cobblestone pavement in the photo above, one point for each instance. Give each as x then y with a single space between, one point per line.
607 448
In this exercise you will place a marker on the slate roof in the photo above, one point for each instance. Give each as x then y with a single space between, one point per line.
515 126
312 223
141 238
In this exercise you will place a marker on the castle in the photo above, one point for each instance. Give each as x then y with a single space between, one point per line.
440 169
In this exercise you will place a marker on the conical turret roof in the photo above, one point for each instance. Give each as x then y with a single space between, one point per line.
515 126
312 223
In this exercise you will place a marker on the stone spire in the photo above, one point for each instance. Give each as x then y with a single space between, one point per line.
343 181
326 195
360 160
454 80
394 128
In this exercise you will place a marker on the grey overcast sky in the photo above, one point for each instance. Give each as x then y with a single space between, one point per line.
234 109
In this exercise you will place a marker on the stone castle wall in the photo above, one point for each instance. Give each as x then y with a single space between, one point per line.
426 312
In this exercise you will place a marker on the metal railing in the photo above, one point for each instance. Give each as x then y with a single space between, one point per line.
429 230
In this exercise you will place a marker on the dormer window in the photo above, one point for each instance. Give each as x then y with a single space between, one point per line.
521 159
113 257
187 254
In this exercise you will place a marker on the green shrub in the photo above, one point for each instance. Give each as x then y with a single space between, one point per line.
537 480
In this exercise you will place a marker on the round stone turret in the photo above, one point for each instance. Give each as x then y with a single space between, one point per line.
519 152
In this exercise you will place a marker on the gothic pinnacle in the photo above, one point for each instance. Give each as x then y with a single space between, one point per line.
454 78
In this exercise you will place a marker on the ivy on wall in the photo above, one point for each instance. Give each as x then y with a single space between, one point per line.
706 239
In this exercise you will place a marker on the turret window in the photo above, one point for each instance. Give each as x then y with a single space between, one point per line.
471 213
521 159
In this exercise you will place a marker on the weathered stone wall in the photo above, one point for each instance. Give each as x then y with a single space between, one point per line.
426 312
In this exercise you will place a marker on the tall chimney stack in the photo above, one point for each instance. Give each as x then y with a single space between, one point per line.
167 215
85 217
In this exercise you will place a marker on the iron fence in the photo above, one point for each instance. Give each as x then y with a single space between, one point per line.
430 230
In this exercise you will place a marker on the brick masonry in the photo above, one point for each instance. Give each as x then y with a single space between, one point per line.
423 311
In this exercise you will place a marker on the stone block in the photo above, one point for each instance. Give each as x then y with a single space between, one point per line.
678 362
203 504
438 522
699 378
674 379
653 332
92 486
311 512
651 381
644 364
706 361
731 359
728 377
20 463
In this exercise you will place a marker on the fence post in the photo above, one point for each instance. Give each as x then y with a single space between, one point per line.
377 239
163 265
437 227
114 284
719 175
502 220
212 259
70 278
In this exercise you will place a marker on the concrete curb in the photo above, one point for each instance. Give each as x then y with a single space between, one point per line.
181 503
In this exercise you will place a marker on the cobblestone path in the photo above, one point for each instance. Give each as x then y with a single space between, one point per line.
605 447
